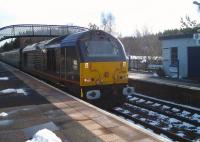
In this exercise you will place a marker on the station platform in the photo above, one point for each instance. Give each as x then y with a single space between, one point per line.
35 105
185 92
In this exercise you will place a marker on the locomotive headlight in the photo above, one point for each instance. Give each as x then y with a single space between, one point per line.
86 65
88 80
124 64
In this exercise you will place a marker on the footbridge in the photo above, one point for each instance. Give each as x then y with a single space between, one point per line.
37 30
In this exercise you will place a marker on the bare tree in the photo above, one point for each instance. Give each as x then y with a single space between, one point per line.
108 20
188 23
93 26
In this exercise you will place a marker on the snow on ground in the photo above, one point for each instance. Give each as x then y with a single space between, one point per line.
4 78
10 90
167 122
3 114
45 135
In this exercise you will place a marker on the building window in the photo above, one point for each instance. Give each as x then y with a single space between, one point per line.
174 56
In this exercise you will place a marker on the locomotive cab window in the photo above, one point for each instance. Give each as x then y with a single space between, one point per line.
101 48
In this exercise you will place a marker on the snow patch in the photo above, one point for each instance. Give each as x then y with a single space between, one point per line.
175 109
133 99
4 78
156 105
140 101
45 135
149 102
135 115
155 75
3 114
196 117
173 121
180 134
126 112
129 97
143 119
163 117
151 113
18 91
118 109
165 107
154 123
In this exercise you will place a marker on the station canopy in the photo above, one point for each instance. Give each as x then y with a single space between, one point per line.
37 30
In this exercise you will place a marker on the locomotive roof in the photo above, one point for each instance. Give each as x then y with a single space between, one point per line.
72 39
55 42
62 41
30 47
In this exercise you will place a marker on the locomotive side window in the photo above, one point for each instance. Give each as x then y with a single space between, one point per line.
72 68
63 63
75 65
51 60
25 59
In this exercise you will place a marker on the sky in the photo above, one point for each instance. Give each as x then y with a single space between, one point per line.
154 15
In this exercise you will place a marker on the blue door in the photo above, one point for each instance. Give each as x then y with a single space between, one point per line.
194 62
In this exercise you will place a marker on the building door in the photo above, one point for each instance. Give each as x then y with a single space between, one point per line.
194 62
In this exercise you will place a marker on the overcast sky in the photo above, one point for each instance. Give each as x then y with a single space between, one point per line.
156 15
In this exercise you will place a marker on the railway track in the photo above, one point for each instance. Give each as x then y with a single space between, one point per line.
176 122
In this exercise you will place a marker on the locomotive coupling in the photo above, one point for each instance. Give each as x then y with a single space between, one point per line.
128 90
93 94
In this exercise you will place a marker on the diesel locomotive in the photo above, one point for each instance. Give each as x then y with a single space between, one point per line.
91 63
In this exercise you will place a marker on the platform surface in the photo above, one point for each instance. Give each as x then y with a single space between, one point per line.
71 119
189 84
